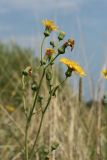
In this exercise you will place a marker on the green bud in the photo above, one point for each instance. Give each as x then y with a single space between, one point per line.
34 86
44 61
24 73
47 32
48 75
27 71
40 98
61 36
61 50
45 58
52 44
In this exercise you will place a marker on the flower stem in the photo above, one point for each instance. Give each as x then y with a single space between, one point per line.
32 150
52 60
42 48
39 129
35 97
24 100
40 125
26 142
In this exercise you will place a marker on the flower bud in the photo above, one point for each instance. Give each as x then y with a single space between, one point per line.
27 71
34 86
52 44
40 98
47 32
61 50
48 75
61 36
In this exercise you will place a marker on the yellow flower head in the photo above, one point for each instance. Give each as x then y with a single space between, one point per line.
50 25
73 66
104 72
50 51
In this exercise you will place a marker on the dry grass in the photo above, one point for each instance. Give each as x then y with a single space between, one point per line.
81 131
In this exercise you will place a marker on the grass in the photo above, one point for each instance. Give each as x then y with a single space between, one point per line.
79 129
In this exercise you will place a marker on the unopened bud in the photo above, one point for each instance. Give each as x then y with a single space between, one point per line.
52 44
47 32
48 75
27 71
34 86
61 36
61 50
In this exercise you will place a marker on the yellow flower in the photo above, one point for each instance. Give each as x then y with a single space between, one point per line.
50 25
104 72
50 51
73 66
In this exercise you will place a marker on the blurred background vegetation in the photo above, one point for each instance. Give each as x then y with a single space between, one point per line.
79 127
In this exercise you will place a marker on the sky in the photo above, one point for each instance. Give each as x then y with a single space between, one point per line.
84 20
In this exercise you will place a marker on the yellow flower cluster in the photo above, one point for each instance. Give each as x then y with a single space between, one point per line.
73 66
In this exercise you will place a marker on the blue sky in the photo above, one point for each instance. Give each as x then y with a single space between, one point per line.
84 20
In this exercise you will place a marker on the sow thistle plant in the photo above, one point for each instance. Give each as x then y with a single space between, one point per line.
47 59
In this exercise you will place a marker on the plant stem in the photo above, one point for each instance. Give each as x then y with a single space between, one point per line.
26 142
36 95
31 112
62 82
40 125
32 150
42 48
39 129
24 100
52 60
